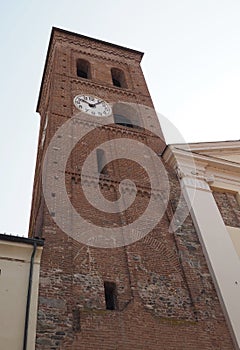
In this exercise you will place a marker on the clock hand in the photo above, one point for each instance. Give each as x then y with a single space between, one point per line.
98 103
83 100
88 103
95 104
91 104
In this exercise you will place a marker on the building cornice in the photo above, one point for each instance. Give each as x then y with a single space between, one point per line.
218 172
25 240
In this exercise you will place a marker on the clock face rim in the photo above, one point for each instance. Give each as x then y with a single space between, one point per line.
100 114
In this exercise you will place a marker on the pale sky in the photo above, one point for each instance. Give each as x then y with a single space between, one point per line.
191 65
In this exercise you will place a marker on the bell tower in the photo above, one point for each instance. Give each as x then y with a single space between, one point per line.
113 276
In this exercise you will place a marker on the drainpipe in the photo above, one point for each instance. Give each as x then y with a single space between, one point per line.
29 297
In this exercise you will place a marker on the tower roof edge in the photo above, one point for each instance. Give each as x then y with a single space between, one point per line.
56 30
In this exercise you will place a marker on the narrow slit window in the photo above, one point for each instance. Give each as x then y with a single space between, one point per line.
76 320
101 160
110 295
118 78
83 69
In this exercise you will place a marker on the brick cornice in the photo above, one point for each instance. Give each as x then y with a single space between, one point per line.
117 129
113 51
111 184
122 91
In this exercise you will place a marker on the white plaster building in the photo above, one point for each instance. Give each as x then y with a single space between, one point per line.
19 279
207 170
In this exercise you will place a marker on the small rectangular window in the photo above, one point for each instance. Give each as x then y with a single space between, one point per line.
110 295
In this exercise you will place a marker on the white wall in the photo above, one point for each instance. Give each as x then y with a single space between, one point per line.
14 265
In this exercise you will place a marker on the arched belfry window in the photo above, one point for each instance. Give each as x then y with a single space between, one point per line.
83 69
126 115
118 78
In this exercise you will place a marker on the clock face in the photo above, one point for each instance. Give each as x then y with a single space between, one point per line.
92 105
